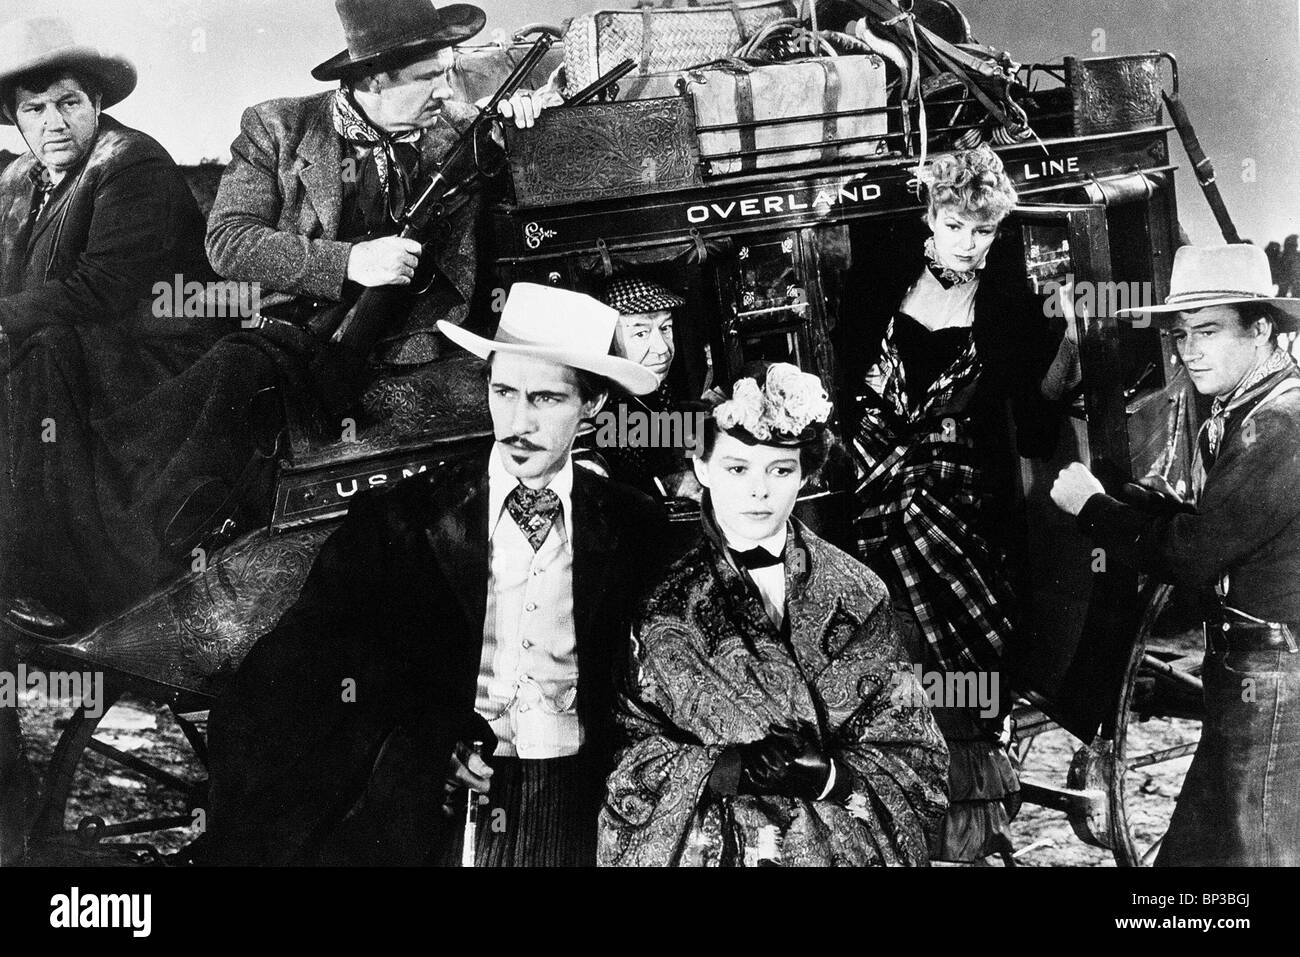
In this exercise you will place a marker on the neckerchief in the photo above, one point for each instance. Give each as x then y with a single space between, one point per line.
947 277
534 511
1252 389
351 124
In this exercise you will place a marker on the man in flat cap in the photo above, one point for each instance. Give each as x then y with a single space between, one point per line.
1239 549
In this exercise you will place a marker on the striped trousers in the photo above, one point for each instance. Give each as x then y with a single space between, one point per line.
539 814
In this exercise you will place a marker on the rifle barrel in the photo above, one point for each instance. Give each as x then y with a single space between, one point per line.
602 84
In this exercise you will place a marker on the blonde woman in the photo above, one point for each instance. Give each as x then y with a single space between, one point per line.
946 339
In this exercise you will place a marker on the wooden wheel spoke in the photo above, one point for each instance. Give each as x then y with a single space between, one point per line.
140 766
1159 757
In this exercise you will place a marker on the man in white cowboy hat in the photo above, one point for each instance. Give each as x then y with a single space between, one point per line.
309 199
484 601
1239 548
91 218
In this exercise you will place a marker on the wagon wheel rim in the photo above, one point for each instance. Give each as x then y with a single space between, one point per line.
77 739
61 774
1128 849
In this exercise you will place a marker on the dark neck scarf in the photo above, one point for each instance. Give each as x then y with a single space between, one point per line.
947 277
395 156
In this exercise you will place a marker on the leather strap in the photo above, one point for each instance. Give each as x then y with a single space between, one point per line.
740 21
831 105
745 117
647 35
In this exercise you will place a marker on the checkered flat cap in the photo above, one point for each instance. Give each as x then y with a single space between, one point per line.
633 297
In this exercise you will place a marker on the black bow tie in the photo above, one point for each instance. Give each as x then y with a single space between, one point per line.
757 557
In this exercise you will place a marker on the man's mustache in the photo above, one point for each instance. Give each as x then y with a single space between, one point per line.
519 442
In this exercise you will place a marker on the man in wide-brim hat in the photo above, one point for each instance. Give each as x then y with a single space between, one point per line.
485 601
90 219
1239 548
315 184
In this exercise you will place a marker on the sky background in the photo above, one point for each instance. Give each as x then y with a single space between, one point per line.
203 61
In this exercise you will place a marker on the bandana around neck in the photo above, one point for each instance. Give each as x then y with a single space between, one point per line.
351 124
1253 388
947 277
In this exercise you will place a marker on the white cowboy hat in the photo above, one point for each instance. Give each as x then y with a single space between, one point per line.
46 43
1229 275
560 326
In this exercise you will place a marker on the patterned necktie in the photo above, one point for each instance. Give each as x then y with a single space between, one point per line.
534 511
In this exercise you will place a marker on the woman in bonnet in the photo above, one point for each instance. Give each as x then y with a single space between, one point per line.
772 715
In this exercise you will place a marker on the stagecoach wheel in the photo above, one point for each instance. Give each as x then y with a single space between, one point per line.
1157 726
78 737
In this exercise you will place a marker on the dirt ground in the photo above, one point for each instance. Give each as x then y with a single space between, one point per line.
1043 837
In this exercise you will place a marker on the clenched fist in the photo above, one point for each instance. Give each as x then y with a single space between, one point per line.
1073 487
387 261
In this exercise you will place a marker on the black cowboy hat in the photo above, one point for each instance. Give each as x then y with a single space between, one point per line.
378 30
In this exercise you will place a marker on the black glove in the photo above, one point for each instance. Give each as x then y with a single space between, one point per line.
787 762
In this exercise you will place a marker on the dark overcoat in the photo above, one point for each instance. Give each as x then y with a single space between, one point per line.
333 742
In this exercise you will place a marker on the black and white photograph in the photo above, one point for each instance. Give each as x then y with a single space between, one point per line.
650 434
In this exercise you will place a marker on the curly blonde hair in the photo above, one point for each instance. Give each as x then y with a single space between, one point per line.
974 181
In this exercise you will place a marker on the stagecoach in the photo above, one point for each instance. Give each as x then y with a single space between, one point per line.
761 254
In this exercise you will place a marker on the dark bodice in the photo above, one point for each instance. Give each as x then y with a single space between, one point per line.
926 353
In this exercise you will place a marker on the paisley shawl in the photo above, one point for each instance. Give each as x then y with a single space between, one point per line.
710 670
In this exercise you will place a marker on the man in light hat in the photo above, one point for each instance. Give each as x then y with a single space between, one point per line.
486 602
315 183
1239 549
91 218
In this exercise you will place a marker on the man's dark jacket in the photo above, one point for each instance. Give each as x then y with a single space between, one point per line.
81 347
333 742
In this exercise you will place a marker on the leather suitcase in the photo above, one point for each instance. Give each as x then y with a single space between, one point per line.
744 113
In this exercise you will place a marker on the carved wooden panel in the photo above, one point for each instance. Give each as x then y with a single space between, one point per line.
605 150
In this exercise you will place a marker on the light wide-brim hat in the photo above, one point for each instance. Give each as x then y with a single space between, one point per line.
560 326
1229 275
379 30
48 43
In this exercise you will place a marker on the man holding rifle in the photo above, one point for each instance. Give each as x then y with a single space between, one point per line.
316 184
309 210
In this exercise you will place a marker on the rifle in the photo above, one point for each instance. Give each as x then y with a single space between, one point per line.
347 331
356 324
